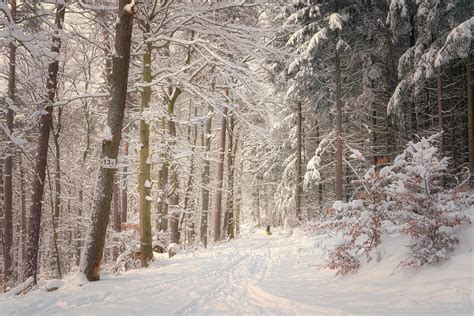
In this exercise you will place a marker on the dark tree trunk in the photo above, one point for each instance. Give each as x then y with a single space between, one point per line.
117 214
94 246
220 178
470 114
34 221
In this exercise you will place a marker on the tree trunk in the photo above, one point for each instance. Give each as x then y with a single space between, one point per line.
206 141
298 182
440 113
174 196
94 246
338 184
230 184
189 203
1 220
23 206
34 221
144 177
220 178
8 171
117 214
124 202
162 206
470 114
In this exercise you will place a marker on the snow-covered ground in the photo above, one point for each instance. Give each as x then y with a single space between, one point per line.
262 275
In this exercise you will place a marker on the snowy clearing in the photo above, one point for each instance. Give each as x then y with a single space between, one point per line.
262 275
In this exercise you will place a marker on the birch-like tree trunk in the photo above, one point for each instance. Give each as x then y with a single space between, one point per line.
94 245
30 265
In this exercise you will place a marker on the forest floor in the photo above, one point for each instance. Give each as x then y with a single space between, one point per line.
263 275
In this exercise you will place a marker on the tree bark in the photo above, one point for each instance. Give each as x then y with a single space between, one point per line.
144 177
34 221
23 206
124 202
298 189
338 184
206 141
174 195
230 183
117 214
8 171
1 219
94 246
220 178
470 114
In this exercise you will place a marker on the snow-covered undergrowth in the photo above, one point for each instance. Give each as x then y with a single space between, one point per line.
279 274
414 197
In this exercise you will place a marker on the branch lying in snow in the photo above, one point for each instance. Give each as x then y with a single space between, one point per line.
21 288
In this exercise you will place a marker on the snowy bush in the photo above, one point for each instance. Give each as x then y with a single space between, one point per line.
409 195
426 211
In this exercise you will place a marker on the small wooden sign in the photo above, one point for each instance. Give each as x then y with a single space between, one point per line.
108 163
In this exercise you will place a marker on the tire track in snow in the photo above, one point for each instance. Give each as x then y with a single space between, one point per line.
237 290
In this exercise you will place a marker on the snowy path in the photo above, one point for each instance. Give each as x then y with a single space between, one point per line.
259 276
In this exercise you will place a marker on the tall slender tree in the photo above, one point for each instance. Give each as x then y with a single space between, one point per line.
8 172
93 249
34 222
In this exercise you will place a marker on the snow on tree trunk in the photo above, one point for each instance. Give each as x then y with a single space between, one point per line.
34 222
206 142
94 245
174 212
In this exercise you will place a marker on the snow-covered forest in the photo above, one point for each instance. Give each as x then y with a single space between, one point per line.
236 156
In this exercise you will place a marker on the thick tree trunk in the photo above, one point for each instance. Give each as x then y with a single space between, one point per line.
144 176
94 246
206 141
8 171
220 178
298 182
34 222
